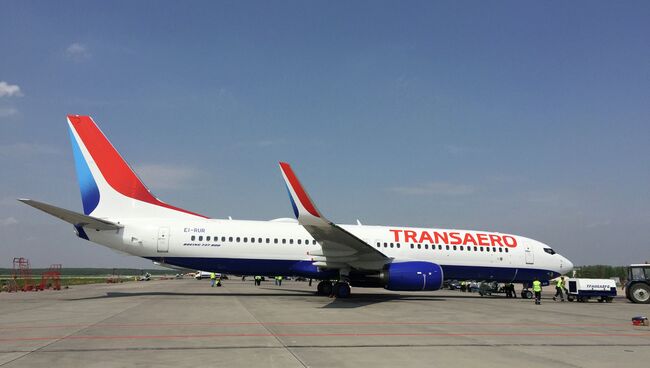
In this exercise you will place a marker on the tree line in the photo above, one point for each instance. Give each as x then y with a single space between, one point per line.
601 271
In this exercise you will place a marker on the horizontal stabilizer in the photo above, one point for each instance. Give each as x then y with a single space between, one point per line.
72 217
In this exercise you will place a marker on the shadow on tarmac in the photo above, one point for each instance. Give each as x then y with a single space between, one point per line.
354 301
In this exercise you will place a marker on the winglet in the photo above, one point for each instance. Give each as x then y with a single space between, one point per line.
303 207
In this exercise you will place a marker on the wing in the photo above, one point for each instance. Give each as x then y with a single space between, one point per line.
339 248
72 217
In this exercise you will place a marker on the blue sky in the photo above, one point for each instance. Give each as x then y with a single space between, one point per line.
528 118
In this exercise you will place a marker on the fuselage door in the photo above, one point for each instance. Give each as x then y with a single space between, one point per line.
163 240
530 256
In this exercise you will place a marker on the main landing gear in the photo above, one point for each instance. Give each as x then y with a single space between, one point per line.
338 289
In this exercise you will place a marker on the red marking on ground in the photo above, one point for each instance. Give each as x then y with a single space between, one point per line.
340 323
373 334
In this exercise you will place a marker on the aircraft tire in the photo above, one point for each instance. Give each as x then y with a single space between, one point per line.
324 288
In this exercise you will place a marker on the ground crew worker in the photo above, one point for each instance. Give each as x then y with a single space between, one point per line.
219 282
213 278
512 290
537 289
559 288
506 289
278 280
258 280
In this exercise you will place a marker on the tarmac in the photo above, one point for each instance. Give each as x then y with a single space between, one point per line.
186 323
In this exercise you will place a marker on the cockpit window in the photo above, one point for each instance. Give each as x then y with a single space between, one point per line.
549 251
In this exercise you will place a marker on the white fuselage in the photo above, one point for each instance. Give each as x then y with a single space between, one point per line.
268 247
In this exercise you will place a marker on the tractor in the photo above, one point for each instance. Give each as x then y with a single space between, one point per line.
637 288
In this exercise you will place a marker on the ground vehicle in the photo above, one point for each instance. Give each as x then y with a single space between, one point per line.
205 275
584 289
637 288
489 288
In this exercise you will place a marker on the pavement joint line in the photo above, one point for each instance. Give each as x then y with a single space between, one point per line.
69 334
349 346
271 332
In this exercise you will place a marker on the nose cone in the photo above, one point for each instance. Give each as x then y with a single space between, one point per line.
565 265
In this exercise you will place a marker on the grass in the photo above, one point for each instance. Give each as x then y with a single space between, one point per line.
84 276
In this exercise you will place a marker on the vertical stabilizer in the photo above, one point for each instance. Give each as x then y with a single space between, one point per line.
109 187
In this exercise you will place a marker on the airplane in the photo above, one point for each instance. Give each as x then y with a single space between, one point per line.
121 213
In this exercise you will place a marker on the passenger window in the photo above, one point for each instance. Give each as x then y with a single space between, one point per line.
238 239
481 249
207 238
313 242
412 246
475 249
223 238
461 247
268 240
391 245
439 246
454 247
419 246
506 250
245 240
378 245
299 241
487 249
230 239
275 240
397 245
284 241
426 246
290 241
201 238
193 237
500 249
447 246
252 240
259 240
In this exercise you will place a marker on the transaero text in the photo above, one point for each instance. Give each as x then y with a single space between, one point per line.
454 238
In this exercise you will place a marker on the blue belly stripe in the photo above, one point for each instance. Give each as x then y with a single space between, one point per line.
266 267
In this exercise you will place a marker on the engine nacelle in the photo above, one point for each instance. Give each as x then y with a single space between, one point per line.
412 276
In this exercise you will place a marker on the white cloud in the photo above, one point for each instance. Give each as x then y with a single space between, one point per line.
27 150
9 90
6 112
165 176
8 221
436 188
77 52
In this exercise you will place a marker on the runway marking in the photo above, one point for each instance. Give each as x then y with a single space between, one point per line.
370 323
370 334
